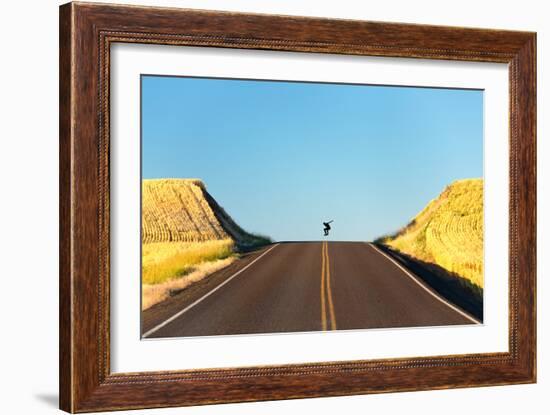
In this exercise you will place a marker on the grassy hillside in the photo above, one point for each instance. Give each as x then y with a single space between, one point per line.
177 211
186 235
181 210
162 261
448 232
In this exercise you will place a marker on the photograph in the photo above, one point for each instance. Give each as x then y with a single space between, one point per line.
261 204
277 206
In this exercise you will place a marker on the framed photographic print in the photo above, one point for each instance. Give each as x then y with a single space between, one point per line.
260 207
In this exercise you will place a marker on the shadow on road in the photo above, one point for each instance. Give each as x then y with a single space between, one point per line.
451 286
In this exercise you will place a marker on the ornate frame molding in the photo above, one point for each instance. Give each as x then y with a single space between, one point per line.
86 33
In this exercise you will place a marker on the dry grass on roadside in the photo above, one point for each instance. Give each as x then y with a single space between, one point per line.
186 235
163 261
153 294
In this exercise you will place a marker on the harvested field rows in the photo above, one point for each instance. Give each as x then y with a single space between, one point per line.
448 232
176 210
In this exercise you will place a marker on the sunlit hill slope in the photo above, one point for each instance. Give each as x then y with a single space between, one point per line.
448 232
181 210
186 235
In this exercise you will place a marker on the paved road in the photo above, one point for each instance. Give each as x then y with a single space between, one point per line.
303 286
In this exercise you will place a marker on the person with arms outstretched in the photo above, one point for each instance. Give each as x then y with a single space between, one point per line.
327 227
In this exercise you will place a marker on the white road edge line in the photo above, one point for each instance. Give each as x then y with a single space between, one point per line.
429 291
193 304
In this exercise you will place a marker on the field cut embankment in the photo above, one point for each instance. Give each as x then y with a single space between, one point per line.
448 233
186 236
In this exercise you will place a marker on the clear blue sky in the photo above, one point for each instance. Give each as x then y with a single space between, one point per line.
282 157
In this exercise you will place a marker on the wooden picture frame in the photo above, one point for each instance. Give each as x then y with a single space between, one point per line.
86 33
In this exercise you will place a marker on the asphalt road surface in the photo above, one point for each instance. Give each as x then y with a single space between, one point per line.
303 286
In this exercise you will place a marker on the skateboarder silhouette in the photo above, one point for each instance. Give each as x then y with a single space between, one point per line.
327 227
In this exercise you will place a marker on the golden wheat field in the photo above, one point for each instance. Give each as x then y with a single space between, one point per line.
182 238
186 235
155 293
162 261
448 232
176 210
171 266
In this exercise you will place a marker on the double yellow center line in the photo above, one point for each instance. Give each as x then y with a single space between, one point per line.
326 292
